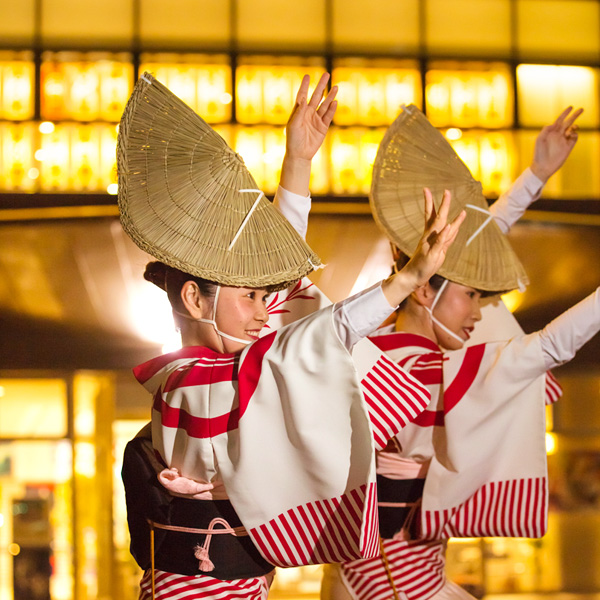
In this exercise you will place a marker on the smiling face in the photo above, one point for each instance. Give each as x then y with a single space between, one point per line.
241 313
458 309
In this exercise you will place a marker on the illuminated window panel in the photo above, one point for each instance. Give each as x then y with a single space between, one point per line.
468 27
78 158
17 85
579 177
33 408
558 29
371 92
283 26
266 87
203 82
353 152
262 149
490 156
385 26
469 95
544 91
18 169
85 87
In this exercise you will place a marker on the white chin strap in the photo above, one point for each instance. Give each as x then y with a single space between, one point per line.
436 321
213 321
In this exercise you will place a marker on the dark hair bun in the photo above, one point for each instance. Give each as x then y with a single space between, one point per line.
156 273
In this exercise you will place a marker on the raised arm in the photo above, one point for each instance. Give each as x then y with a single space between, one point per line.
565 335
305 132
552 148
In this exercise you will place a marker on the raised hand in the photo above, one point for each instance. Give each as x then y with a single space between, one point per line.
305 132
554 144
430 253
309 121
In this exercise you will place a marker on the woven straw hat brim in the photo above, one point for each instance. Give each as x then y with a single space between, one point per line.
413 154
181 198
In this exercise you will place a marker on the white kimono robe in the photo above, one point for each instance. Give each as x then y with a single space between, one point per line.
288 430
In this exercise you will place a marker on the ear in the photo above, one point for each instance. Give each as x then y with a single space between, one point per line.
424 295
193 300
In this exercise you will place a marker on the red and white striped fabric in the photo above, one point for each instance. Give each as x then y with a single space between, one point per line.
286 428
170 586
491 512
489 476
554 390
417 568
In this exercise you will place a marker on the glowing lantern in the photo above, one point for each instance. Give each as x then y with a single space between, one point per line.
16 89
17 157
478 97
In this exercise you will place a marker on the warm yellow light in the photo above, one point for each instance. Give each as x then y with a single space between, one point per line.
371 92
1 519
489 156
551 443
453 133
85 459
113 189
84 86
17 143
352 155
545 90
55 170
46 127
16 88
266 92
14 549
513 300
469 94
33 173
203 82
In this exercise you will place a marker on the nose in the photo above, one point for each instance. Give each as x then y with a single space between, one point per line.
477 311
261 314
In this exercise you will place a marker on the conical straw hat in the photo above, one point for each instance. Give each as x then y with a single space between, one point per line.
414 155
188 200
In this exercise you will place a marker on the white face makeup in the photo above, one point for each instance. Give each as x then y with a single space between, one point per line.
455 313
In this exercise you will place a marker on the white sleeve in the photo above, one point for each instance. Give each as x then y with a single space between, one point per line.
294 208
509 208
361 314
566 334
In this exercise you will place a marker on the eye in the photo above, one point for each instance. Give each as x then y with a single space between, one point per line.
266 298
251 295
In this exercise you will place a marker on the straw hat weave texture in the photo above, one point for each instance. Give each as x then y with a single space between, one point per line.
188 200
414 155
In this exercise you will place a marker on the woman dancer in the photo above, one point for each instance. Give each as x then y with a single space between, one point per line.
262 447
473 464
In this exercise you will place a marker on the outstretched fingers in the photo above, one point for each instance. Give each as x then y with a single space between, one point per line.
569 122
429 208
302 94
328 107
315 99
